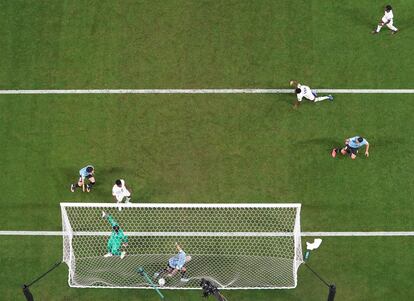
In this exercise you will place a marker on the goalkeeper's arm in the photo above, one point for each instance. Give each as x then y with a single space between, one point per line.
110 220
124 239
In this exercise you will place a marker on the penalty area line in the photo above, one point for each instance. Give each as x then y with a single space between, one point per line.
203 91
304 234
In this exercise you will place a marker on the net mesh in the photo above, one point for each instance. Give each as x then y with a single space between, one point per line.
236 246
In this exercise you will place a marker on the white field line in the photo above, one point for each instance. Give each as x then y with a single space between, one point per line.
307 234
205 91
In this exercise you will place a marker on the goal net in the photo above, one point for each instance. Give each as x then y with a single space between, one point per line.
234 245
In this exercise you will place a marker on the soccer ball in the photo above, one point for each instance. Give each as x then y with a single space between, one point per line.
161 281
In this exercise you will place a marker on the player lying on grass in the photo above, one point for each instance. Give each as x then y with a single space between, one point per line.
388 20
351 147
117 238
121 191
85 173
306 92
175 265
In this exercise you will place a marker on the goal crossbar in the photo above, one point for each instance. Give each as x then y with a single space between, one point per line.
183 205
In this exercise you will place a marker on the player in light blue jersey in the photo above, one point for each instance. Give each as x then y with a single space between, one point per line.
351 147
176 264
85 173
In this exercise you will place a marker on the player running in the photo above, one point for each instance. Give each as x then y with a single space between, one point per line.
176 264
121 191
303 91
388 20
117 238
351 147
85 173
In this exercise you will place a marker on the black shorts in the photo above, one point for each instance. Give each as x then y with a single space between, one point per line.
170 267
87 177
351 150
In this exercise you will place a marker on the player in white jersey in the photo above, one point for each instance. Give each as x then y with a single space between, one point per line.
387 20
120 191
303 91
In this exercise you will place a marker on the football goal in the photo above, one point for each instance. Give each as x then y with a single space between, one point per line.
237 246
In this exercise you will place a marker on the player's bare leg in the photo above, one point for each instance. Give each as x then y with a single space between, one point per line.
79 184
393 29
162 272
91 183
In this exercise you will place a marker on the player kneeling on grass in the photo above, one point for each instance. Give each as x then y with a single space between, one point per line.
121 191
117 238
175 265
306 92
388 20
351 147
85 173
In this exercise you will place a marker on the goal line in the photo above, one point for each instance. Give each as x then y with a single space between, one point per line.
203 91
304 234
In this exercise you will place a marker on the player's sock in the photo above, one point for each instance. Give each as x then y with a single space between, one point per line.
89 186
378 28
321 98
160 273
184 276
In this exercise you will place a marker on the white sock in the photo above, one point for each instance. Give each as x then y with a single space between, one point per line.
378 28
392 27
320 98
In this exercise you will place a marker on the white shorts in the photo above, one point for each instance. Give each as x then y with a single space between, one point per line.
384 20
120 197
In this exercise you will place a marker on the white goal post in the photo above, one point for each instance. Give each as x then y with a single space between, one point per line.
237 246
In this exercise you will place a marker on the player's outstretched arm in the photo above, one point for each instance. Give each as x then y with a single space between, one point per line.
109 218
367 150
178 247
115 199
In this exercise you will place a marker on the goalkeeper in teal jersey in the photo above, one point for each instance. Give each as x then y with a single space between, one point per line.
117 238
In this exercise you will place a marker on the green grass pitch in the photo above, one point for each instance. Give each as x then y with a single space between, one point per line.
222 148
